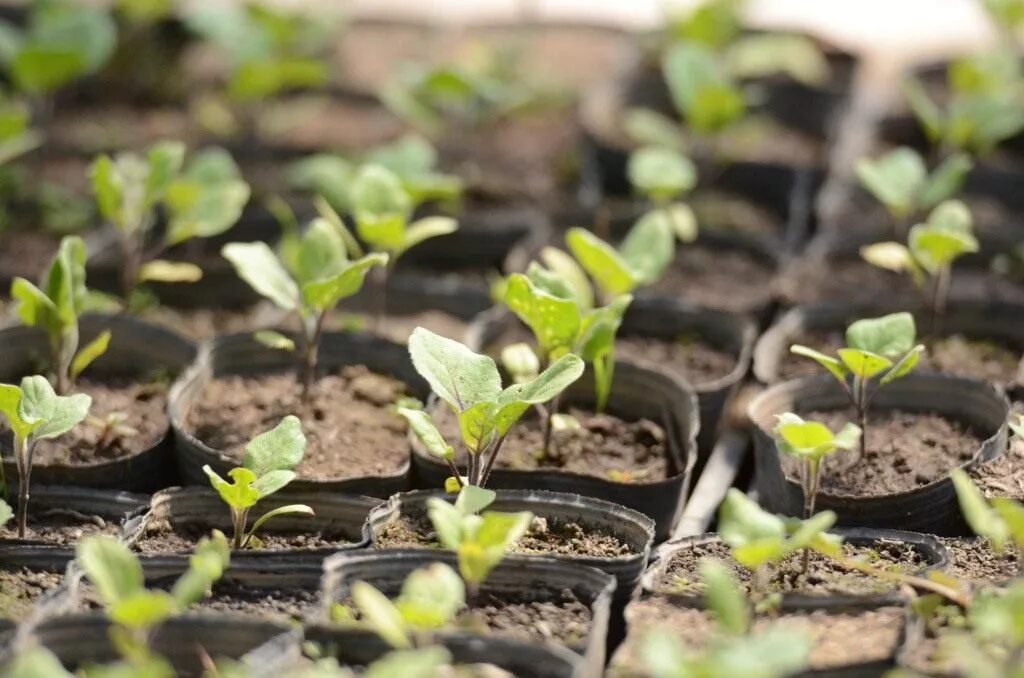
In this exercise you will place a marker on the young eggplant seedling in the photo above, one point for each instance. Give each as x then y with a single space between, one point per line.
471 385
900 181
928 256
811 442
266 468
999 520
35 412
136 611
55 306
881 349
310 277
202 200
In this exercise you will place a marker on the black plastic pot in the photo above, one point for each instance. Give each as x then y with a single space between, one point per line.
927 546
112 507
35 557
83 639
665 320
386 570
636 393
136 349
623 663
181 506
630 527
241 354
527 660
1001 323
932 508
724 469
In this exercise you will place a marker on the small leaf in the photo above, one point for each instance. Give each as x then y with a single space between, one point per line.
280 448
238 494
554 321
325 293
90 352
473 499
423 426
57 414
427 662
661 173
381 615
274 340
425 229
946 181
650 128
290 509
447 522
928 115
431 597
6 512
863 364
456 374
724 597
983 520
272 481
889 335
606 266
834 366
566 268
892 256
143 609
895 179
649 247
257 265
904 366
205 566
111 567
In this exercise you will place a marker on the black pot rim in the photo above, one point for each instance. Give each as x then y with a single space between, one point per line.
795 385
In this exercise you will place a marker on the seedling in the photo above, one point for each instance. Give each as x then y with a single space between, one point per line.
16 134
55 306
471 385
556 308
136 611
35 412
811 442
734 649
1000 520
266 468
901 182
931 249
479 538
111 427
202 200
983 108
61 42
411 158
310 277
877 350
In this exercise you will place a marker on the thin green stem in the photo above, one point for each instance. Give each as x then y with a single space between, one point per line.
23 458
549 424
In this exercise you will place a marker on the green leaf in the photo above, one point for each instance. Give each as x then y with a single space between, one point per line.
834 366
90 352
516 399
107 187
863 364
35 661
321 252
904 366
446 521
724 597
161 270
57 414
280 448
456 374
65 284
896 179
554 321
272 481
205 566
1012 513
425 229
431 597
650 128
494 535
702 92
290 509
767 54
326 212
755 536
943 239
274 340
326 175
238 494
10 406
606 266
325 293
473 499
477 426
143 609
661 173
889 335
892 256
951 216
649 247
33 307
381 615
565 267
811 439
164 160
423 426
520 362
381 207
112 568
257 265
946 181
982 519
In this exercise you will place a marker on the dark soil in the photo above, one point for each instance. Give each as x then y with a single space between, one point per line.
731 280
698 362
973 560
839 639
60 526
1004 475
904 451
350 430
162 537
144 405
604 446
535 616
957 355
20 589
544 537
824 577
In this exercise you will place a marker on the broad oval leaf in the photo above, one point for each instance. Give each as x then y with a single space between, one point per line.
555 322
425 430
473 499
459 376
111 567
257 265
895 179
863 364
280 448
272 481
143 609
431 596
661 173
323 295
381 614
890 335
609 269
649 247
56 414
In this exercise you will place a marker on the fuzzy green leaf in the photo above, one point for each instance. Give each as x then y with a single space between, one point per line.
239 493
863 364
889 335
661 173
834 366
895 179
381 615
423 426
431 597
324 294
90 352
280 448
554 321
456 374
112 568
57 414
257 265
609 269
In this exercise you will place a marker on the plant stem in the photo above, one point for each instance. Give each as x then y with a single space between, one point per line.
455 471
549 424
23 458
238 519
860 402
940 295
490 460
812 475
309 364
